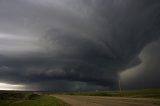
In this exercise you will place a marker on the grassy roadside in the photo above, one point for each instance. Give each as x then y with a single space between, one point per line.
143 93
30 100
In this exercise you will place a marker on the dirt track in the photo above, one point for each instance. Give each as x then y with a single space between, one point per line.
107 101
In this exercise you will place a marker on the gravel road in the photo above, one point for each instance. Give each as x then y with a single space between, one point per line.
107 101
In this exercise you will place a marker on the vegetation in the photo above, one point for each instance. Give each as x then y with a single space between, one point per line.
44 98
144 93
28 99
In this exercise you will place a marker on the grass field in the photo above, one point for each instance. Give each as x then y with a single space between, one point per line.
28 99
44 98
144 93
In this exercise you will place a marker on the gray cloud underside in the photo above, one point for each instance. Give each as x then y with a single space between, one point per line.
74 44
146 74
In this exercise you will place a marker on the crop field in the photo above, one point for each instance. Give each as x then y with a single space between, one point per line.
28 99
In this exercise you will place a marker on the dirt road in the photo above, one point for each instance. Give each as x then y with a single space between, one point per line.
107 101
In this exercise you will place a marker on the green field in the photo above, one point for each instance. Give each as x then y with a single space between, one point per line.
144 93
45 98
28 99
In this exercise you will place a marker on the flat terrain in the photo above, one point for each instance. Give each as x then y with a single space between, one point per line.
28 99
107 101
140 93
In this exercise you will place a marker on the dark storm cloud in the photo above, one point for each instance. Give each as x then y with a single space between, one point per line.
74 44
146 74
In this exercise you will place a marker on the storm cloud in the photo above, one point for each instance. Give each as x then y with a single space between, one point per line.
74 44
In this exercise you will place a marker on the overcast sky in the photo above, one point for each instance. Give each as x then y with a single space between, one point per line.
80 44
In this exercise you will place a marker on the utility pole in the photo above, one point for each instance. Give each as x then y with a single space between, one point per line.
120 89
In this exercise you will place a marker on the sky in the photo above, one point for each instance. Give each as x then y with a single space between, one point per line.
70 45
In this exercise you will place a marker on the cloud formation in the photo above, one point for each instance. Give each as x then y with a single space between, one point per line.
74 44
146 74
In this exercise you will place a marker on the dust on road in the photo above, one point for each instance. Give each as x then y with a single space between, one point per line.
107 101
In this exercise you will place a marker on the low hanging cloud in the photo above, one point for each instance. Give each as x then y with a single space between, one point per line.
146 74
75 44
